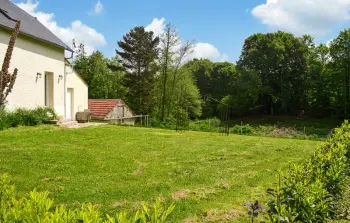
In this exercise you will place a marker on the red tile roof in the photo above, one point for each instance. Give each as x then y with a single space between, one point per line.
101 107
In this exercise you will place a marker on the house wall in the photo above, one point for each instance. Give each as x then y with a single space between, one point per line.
31 57
80 92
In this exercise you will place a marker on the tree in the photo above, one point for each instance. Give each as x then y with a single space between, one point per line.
169 39
104 76
245 93
99 83
7 80
181 54
81 64
280 61
340 54
138 54
116 79
214 80
319 98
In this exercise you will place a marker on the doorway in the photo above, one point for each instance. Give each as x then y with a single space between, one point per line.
49 90
69 104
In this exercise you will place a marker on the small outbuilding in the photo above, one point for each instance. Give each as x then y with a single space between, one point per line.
113 110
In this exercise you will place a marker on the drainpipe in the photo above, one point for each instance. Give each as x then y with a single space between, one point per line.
65 84
65 89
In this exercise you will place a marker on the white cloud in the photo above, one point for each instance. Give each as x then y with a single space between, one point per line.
157 26
328 43
315 17
98 8
200 51
207 51
83 33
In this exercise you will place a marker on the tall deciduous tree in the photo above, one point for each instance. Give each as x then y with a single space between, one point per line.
138 54
340 54
104 76
169 40
280 60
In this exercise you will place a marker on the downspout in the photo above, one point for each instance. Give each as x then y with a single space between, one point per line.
65 84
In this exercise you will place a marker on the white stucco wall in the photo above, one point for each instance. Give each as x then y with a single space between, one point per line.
31 57
80 92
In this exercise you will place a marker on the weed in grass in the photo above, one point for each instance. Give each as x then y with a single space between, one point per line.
254 208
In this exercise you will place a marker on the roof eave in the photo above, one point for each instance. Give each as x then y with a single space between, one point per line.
40 39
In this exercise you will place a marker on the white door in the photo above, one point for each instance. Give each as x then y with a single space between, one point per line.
69 104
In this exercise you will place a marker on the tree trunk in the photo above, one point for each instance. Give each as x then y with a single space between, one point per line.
165 72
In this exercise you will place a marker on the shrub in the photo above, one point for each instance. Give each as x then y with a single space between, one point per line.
310 191
207 125
37 207
4 120
243 130
26 117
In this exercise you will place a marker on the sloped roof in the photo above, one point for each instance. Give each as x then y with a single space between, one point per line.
101 107
30 26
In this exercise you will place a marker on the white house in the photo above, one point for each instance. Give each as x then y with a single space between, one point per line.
45 77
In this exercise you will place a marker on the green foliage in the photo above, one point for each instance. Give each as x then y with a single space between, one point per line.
310 191
104 76
340 71
26 117
138 54
280 61
207 125
168 123
216 80
246 91
38 207
243 130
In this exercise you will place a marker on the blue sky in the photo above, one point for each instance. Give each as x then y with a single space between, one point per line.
219 27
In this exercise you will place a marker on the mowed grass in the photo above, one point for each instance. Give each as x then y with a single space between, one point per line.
117 168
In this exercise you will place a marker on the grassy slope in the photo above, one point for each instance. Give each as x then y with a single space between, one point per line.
127 165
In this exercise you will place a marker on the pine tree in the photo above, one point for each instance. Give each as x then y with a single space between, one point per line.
138 55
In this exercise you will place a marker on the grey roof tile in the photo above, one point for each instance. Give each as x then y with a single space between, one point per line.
29 24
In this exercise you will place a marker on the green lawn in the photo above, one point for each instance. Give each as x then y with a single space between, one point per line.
117 168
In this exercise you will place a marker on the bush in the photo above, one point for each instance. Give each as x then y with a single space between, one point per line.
208 125
37 207
26 117
243 130
310 192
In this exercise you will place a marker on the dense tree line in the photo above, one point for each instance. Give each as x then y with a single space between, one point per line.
277 73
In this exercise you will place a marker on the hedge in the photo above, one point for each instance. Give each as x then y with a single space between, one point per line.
310 192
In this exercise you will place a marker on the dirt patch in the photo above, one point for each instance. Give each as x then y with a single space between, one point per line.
181 194
191 220
47 179
119 203
137 172
214 215
223 185
97 206
203 193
